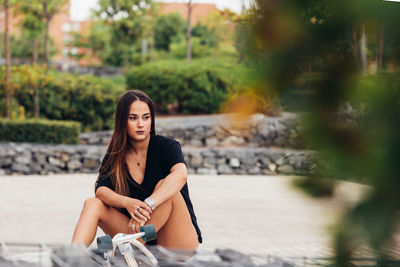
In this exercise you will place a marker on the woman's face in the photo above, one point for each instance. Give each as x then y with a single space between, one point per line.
139 121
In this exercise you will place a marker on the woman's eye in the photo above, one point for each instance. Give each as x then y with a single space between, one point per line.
147 117
132 118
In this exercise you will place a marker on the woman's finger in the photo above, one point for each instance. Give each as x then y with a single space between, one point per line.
144 213
144 206
139 215
131 226
134 217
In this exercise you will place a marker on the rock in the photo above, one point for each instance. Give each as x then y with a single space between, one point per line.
295 160
36 168
91 163
20 168
233 256
211 142
234 162
233 141
5 161
255 170
74 164
272 166
40 158
93 153
56 162
286 169
280 161
263 129
265 160
221 160
196 143
209 162
64 157
280 128
280 141
196 160
224 169
25 158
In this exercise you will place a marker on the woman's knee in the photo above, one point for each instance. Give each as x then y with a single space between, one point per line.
94 204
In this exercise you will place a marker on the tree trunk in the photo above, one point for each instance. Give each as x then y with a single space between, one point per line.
8 59
35 51
380 47
355 45
37 106
152 45
189 33
46 35
363 50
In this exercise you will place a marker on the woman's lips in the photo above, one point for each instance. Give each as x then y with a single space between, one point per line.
140 132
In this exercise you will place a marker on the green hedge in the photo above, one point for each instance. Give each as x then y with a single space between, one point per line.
199 87
84 98
40 131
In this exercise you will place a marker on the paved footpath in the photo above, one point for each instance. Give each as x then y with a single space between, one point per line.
253 214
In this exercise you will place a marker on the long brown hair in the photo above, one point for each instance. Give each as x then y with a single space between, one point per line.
114 164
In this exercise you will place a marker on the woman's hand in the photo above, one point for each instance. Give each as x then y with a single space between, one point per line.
134 225
138 210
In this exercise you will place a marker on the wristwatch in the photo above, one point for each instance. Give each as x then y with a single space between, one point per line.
150 202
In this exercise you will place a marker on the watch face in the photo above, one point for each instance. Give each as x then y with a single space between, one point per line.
150 203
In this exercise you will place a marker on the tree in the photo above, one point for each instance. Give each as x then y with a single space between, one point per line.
189 32
167 28
43 10
124 21
8 57
32 26
216 28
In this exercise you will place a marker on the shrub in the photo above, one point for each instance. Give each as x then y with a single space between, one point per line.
87 99
198 50
39 131
200 87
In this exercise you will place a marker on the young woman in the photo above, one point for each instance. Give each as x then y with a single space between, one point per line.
142 180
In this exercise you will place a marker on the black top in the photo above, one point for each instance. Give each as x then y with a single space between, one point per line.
162 154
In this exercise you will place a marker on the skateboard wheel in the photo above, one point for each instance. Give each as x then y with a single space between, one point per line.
149 232
104 242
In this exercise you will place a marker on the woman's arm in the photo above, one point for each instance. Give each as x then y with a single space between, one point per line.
172 184
110 198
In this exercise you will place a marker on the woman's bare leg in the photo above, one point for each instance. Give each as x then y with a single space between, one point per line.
96 213
173 224
171 220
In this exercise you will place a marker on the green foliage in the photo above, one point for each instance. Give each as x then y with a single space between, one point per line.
201 87
167 28
39 131
199 50
208 36
124 23
22 48
35 15
284 39
87 99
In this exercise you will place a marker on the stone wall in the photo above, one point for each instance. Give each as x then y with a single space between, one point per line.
23 158
222 131
216 144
